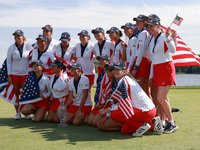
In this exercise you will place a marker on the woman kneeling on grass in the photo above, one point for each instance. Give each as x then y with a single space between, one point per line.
59 89
39 106
134 110
79 94
102 80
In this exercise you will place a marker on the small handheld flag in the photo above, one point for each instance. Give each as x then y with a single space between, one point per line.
177 20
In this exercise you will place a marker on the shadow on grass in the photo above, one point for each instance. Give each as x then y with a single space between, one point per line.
73 134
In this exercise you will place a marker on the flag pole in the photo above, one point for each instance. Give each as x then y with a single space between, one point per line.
172 21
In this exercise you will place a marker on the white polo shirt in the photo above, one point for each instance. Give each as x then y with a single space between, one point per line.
68 54
162 51
46 58
107 49
141 49
16 64
87 61
83 84
131 51
117 53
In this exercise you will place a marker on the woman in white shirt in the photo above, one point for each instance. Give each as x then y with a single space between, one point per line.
103 46
85 55
119 50
17 64
59 89
79 95
162 72
130 32
51 43
40 106
65 50
41 53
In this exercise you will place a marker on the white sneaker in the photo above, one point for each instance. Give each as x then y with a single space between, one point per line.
142 129
17 116
28 117
158 125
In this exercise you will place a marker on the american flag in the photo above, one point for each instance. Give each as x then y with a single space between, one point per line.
177 20
184 56
6 90
30 61
98 89
121 96
31 90
64 61
107 90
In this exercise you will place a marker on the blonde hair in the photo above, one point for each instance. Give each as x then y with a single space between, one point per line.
25 39
88 37
130 75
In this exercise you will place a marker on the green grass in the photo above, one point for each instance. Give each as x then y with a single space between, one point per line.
27 135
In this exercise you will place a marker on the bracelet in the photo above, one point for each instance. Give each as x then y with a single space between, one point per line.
135 67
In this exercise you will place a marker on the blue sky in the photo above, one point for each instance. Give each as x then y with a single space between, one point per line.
74 15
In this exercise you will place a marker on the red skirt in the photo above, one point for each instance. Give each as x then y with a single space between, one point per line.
42 103
85 110
96 111
143 69
56 103
164 74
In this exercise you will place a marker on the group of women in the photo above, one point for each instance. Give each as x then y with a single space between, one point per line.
133 79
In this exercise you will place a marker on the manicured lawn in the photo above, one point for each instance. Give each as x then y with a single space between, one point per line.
27 135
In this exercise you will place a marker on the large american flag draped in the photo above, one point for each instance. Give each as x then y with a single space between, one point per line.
121 96
31 90
184 56
6 90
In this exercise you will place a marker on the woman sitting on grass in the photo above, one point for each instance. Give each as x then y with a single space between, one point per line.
40 106
59 88
102 80
79 95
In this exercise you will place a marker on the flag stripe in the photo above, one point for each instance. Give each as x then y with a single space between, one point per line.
122 97
184 56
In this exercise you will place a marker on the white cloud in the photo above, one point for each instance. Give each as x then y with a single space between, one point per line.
93 13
